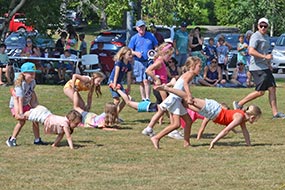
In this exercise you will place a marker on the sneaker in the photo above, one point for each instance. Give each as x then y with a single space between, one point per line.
279 115
236 106
175 135
148 133
40 142
11 143
120 120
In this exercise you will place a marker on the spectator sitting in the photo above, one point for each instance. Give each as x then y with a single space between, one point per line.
212 75
4 65
173 70
83 45
241 77
65 65
100 51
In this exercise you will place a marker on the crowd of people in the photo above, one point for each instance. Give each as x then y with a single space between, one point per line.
171 77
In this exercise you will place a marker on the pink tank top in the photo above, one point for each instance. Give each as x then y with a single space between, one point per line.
162 73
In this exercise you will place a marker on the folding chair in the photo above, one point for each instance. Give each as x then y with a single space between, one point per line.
91 63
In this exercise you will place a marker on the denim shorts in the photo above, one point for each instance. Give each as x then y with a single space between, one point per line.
211 109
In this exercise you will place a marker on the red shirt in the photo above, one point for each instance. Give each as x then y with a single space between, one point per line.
225 117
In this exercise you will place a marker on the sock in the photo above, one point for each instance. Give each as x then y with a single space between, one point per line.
37 140
12 138
149 129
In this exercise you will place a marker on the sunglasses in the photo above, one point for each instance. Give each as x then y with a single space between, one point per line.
239 64
214 62
29 41
263 26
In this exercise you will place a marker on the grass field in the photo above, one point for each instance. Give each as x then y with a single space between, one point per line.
126 160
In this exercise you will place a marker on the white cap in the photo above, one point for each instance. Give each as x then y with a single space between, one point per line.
265 20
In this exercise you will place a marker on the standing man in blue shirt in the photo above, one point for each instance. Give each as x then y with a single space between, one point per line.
140 44
180 43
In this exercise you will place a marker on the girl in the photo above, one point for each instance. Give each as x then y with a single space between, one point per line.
54 124
158 70
84 83
23 99
214 111
107 119
174 105
122 67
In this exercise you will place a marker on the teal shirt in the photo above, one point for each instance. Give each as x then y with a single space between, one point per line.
182 40
4 59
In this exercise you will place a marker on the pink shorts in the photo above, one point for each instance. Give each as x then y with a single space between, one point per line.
25 108
194 116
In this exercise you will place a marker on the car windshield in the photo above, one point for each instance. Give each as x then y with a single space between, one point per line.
15 38
280 41
107 37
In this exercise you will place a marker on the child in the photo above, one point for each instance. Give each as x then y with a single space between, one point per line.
65 65
123 60
222 51
83 45
158 70
143 106
214 111
54 124
174 105
107 119
23 99
242 49
4 65
84 83
60 44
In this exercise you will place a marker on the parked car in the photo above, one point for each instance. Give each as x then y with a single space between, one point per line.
76 19
114 40
278 52
16 41
18 23
273 40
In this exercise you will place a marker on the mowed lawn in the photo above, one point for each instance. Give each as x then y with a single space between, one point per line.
126 160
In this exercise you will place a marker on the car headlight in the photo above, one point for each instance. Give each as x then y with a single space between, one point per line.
18 50
277 53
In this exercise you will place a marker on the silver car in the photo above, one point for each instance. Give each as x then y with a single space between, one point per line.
278 52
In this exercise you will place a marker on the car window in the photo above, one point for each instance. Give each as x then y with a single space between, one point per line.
280 41
165 32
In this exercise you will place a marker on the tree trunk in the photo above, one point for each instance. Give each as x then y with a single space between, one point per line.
103 20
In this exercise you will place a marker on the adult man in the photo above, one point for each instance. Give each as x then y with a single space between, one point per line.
140 44
180 43
260 69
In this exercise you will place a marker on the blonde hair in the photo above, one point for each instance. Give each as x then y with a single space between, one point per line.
164 49
111 114
19 80
191 63
73 116
97 88
121 53
253 110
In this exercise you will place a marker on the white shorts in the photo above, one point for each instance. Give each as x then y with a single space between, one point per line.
173 105
39 114
211 109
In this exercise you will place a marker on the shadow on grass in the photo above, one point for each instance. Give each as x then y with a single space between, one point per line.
208 136
142 120
236 144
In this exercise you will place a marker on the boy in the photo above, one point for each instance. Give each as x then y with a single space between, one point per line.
222 51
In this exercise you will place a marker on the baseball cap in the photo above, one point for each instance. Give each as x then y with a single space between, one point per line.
140 23
29 67
183 24
265 20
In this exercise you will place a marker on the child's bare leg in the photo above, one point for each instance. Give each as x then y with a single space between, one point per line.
176 124
155 117
187 129
18 128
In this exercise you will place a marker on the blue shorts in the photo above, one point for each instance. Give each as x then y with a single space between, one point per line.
139 71
211 109
115 94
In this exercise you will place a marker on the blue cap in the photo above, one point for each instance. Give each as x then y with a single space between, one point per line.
140 23
183 24
29 67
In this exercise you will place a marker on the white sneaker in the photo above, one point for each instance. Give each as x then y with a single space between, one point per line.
175 135
148 133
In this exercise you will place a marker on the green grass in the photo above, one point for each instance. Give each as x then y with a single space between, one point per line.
126 159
